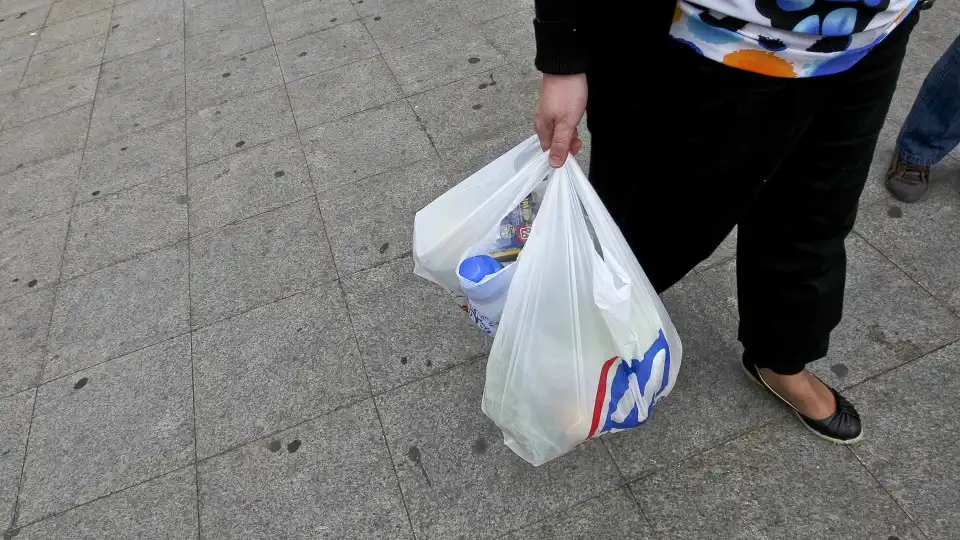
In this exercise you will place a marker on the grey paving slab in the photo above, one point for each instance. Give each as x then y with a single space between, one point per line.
274 367
11 74
141 69
132 159
247 183
712 401
22 20
308 17
342 91
227 42
921 238
457 475
777 482
236 77
365 144
122 225
887 318
48 137
64 61
912 444
324 50
17 47
31 255
14 423
404 23
484 10
118 309
276 5
51 97
612 515
726 251
23 331
108 427
437 61
244 122
38 190
371 221
408 328
16 7
479 113
215 14
61 34
330 478
161 509
257 261
64 10
136 109
143 24
512 37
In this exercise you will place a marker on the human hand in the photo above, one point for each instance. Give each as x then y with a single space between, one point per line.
563 99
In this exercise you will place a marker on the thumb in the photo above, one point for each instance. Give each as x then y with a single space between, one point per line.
560 146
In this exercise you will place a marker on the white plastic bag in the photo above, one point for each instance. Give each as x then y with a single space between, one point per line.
584 345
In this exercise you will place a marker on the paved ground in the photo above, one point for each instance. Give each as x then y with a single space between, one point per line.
210 327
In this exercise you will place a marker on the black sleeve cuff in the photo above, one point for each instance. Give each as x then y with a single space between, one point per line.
561 47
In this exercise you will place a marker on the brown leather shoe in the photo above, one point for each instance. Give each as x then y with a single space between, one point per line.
905 181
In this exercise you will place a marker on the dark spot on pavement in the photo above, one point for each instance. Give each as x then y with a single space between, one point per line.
80 383
278 174
116 77
377 18
384 247
300 329
243 58
124 149
239 144
428 362
293 446
477 107
894 211
359 1
473 59
482 85
116 26
876 334
11 533
893 538
414 454
32 283
302 54
95 193
226 74
16 279
19 165
493 83
71 87
403 360
216 113
840 370
333 19
183 199
20 16
479 446
136 124
273 446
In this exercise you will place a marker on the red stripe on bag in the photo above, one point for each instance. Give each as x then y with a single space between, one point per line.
601 397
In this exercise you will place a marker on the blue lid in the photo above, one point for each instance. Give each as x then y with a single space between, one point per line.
478 267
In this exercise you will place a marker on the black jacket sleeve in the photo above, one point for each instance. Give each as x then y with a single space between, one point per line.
561 34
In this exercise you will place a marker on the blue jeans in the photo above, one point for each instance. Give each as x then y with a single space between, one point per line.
932 129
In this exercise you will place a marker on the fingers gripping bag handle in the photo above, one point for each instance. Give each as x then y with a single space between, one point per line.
447 227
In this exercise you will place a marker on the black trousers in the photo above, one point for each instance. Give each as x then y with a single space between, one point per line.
687 148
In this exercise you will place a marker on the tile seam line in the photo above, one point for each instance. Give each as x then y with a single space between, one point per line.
33 50
186 189
886 492
64 46
15 517
903 271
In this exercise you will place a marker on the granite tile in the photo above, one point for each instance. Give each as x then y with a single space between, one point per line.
213 14
233 78
324 50
328 478
15 414
11 74
45 99
145 68
274 367
133 110
17 47
64 61
478 11
612 515
55 135
30 257
143 24
440 60
407 327
365 144
457 475
227 42
23 331
404 23
513 37
64 10
342 91
61 34
38 190
247 183
118 309
244 122
308 17
22 20
122 225
108 427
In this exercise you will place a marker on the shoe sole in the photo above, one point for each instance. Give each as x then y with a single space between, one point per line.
761 384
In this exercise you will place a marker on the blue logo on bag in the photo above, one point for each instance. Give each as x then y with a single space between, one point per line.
622 383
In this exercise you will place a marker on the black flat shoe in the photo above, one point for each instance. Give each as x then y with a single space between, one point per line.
841 427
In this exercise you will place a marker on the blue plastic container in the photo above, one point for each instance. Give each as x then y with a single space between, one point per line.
478 267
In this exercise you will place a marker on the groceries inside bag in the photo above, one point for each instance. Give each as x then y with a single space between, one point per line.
583 345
